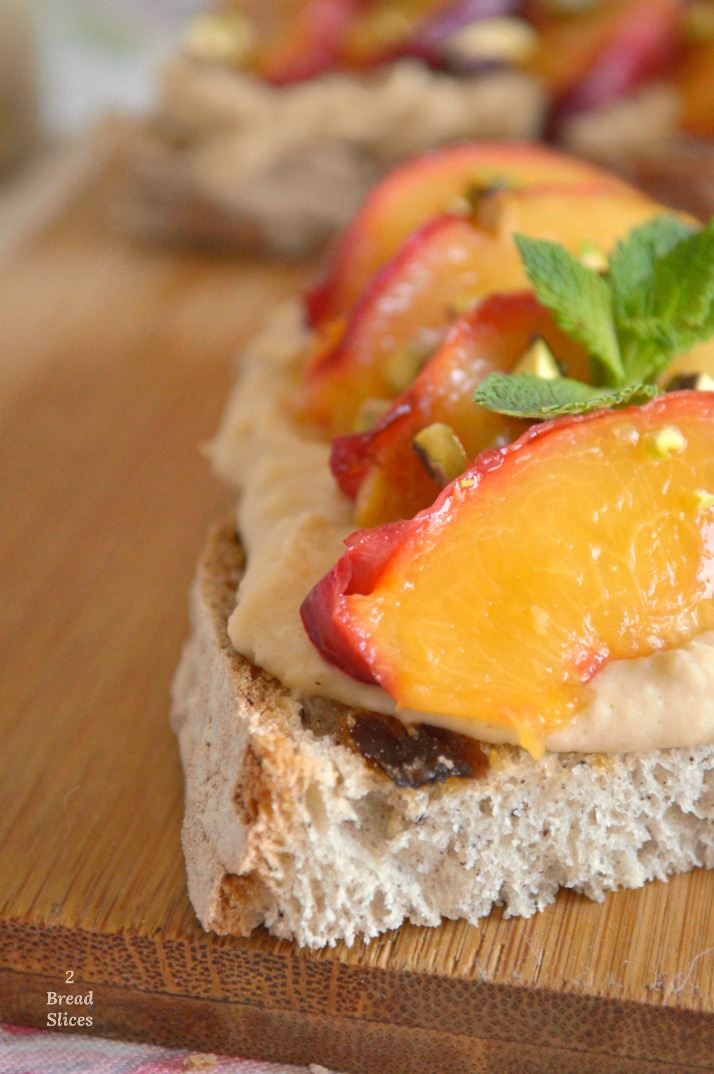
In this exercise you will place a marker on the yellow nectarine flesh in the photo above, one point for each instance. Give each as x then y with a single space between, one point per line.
588 540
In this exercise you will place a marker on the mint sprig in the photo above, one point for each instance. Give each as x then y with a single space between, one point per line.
581 300
529 396
654 303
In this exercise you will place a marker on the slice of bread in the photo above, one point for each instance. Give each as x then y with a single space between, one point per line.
287 826
230 161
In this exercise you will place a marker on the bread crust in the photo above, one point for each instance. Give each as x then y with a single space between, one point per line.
297 832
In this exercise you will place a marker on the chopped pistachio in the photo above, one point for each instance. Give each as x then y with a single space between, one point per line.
370 412
593 257
402 366
699 382
705 500
488 210
501 39
229 37
667 442
538 360
441 451
476 192
485 205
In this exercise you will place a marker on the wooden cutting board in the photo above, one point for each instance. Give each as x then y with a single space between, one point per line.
114 365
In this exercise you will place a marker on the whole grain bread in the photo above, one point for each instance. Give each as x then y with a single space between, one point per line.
288 827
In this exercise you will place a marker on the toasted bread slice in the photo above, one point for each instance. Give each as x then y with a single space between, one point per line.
288 827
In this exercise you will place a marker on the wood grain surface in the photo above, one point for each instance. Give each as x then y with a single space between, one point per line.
114 365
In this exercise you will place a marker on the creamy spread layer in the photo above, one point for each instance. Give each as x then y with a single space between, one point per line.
293 520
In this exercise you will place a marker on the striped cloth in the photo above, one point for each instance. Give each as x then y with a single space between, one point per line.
42 1051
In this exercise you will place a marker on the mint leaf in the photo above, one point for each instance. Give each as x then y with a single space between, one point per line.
524 395
666 312
648 345
680 293
681 284
633 260
580 299
655 302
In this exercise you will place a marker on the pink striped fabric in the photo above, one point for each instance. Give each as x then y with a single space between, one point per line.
43 1051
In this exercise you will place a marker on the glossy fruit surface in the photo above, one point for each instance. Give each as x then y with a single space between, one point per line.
443 268
588 540
381 469
423 188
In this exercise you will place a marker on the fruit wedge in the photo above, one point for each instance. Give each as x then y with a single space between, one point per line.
423 188
381 469
588 540
444 267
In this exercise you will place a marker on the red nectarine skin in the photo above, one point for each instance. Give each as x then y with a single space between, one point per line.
380 466
589 539
423 188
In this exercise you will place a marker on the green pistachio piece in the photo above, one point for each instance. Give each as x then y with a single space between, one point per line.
705 501
441 451
404 364
667 442
593 257
538 360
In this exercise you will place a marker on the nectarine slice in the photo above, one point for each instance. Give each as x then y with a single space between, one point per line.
380 468
443 267
588 540
425 187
